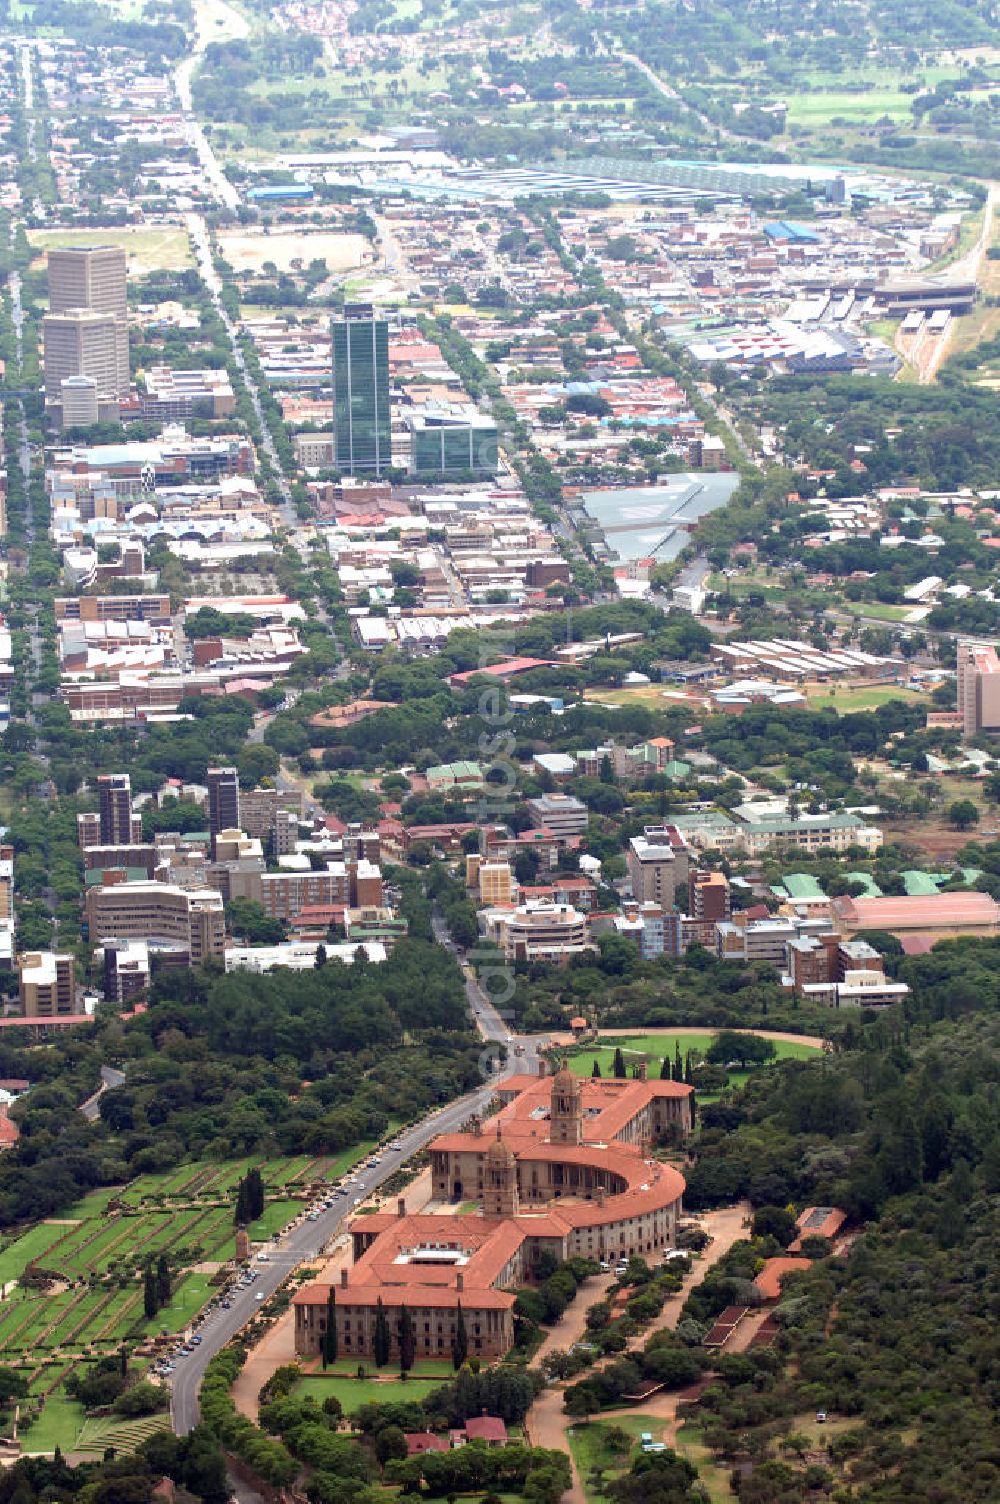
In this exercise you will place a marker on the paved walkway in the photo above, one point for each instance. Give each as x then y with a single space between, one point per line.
547 1422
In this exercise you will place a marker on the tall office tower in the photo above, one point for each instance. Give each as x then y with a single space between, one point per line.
223 802
361 418
978 675
91 278
114 791
84 343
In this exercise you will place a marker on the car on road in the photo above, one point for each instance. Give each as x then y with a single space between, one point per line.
260 1295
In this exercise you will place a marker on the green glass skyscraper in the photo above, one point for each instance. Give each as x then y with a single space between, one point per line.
361 419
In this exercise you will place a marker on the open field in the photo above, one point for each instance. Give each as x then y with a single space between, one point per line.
821 106
247 252
850 697
147 250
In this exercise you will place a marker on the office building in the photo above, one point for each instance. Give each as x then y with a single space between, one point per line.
978 675
93 278
47 984
567 1173
81 343
361 417
223 802
441 442
118 826
538 931
187 925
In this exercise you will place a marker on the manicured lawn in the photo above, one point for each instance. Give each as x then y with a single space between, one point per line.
185 1303
58 1426
660 1046
353 1393
31 1245
276 1214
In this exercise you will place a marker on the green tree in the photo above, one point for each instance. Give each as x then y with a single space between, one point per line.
329 1344
381 1340
963 814
149 1302
407 1341
619 1064
162 1281
460 1339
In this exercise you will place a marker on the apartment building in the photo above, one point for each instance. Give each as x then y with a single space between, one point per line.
562 814
978 687
46 984
117 825
657 865
708 895
496 883
187 924
355 884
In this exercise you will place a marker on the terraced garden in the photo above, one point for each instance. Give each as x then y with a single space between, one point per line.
83 1297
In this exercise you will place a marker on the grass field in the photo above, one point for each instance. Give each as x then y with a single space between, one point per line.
846 698
147 250
821 106
657 1047
353 1393
98 1250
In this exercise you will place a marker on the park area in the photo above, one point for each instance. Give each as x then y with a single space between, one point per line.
653 1049
249 251
73 1286
165 248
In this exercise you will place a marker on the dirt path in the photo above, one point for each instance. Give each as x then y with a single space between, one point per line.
547 1422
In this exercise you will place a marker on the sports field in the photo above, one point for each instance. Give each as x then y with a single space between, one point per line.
147 250
248 251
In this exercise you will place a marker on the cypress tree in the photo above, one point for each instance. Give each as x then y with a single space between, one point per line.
321 956
328 1348
460 1340
381 1341
596 1072
149 1301
407 1341
256 1194
688 1072
162 1281
665 1068
240 1216
619 1065
678 1062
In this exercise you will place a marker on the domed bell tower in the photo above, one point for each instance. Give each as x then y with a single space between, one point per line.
566 1109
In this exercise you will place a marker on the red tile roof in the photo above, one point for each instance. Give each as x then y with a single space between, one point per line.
769 1279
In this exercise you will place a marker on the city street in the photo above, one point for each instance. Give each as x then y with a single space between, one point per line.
307 1239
